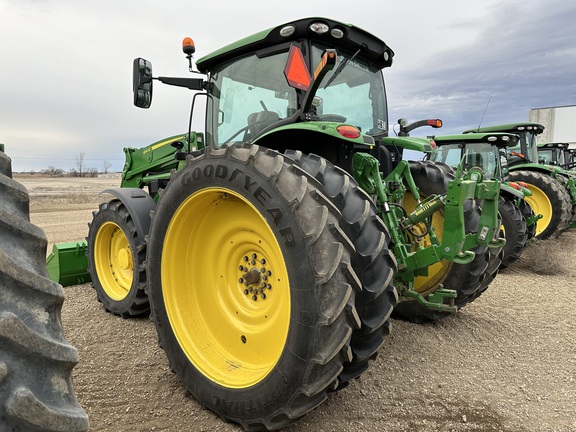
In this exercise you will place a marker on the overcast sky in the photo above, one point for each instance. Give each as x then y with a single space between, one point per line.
66 65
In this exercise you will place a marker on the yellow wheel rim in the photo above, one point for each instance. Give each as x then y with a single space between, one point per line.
225 287
436 272
540 204
113 261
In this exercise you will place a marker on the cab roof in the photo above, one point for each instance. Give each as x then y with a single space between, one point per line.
338 35
510 128
499 139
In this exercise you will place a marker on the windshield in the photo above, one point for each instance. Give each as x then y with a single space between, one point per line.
357 93
546 156
251 93
450 154
484 156
248 95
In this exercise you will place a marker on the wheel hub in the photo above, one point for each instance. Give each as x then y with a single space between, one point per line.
124 259
254 280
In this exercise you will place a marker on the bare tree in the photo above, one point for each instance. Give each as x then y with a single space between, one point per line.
52 171
106 166
80 157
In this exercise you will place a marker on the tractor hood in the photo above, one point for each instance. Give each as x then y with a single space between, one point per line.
425 145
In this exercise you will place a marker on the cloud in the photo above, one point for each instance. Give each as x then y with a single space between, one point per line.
523 58
67 65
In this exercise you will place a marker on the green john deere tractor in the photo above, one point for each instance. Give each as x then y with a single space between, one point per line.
485 150
272 248
467 280
558 154
551 189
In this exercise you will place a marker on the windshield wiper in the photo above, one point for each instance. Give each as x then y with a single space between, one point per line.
341 67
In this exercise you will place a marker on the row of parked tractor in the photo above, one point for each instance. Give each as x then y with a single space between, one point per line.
272 249
537 193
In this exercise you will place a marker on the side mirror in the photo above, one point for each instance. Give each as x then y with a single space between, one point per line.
142 83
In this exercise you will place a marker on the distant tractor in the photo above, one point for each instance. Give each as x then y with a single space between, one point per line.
550 197
474 151
559 154
272 248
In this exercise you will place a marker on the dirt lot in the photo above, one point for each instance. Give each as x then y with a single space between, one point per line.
507 362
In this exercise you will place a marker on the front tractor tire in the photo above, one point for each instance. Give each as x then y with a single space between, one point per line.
251 286
36 360
116 256
550 199
515 231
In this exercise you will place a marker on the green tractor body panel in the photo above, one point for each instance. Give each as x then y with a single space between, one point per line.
410 143
67 264
328 131
155 161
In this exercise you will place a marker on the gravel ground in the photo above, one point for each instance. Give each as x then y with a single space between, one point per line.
506 362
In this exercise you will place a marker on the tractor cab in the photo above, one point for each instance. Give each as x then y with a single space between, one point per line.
313 84
528 150
570 159
552 153
473 151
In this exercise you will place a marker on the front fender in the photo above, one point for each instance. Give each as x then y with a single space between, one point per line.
138 203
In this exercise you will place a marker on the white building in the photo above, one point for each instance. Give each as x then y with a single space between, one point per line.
560 123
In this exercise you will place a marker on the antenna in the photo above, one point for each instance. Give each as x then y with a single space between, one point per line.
485 109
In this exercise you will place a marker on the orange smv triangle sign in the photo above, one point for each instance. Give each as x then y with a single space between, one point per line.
296 71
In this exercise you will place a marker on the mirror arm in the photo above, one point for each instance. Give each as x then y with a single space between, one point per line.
190 83
326 65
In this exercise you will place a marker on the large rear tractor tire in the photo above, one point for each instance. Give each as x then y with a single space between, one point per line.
468 280
373 262
116 256
515 233
36 361
251 286
550 199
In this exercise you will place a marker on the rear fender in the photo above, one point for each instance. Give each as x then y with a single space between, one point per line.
139 204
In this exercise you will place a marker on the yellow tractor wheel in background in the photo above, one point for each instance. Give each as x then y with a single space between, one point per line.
116 256
549 199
